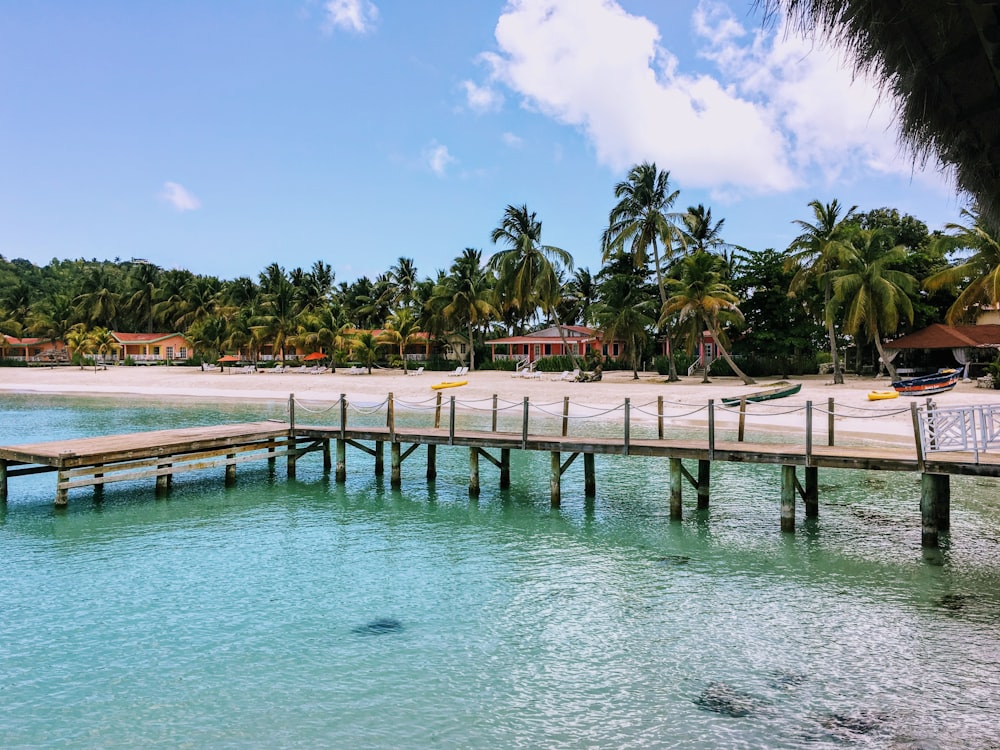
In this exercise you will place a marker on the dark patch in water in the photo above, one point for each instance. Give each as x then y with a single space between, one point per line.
378 626
673 560
785 679
954 602
726 700
847 725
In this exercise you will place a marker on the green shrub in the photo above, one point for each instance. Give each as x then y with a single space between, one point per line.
503 365
13 363
557 363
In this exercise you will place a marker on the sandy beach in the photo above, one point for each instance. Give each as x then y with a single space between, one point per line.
853 410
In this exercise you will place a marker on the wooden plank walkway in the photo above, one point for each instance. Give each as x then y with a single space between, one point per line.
164 453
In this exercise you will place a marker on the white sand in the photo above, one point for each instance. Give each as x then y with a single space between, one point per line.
893 424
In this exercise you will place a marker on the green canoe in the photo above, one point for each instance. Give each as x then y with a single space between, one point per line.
777 390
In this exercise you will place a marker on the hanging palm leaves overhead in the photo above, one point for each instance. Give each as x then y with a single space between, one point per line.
941 62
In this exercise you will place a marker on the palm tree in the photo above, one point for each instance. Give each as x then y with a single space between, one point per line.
464 298
527 271
103 343
699 294
78 341
873 293
404 281
401 330
365 348
145 293
625 313
823 247
979 272
639 222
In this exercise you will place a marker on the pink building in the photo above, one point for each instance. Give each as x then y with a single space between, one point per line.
151 348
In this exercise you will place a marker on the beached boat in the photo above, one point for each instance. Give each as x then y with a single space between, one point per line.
925 385
773 391
453 384
881 395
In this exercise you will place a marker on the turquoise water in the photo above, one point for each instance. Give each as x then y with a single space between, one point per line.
307 614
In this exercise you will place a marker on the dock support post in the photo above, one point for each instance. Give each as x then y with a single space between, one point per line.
396 462
659 417
327 458
3 480
451 421
292 457
341 470
473 472
935 491
98 486
432 465
565 418
829 421
555 476
437 411
292 453
163 481
811 497
62 494
741 431
944 502
704 477
676 477
504 468
589 481
494 425
231 470
379 458
788 498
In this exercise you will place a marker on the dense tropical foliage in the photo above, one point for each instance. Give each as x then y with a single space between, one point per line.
668 280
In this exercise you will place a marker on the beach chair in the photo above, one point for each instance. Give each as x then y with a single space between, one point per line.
418 371
460 372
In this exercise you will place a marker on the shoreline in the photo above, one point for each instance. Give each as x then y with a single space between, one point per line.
853 411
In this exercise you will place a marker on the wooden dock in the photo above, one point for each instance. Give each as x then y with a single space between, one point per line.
94 462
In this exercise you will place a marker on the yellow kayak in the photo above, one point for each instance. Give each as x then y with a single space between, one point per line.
455 384
881 395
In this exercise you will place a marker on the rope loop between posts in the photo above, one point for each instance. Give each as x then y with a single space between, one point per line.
670 416
304 407
368 408
779 411
578 416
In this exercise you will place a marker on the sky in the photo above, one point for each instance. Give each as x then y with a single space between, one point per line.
221 137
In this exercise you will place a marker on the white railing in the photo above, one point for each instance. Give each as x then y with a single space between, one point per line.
975 429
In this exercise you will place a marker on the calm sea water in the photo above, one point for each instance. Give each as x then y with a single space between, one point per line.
306 614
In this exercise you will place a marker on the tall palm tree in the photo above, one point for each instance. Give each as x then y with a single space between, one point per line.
464 297
401 330
822 247
640 223
699 294
978 274
78 341
528 271
625 313
873 293
103 343
404 280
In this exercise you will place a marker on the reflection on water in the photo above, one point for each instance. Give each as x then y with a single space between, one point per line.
309 614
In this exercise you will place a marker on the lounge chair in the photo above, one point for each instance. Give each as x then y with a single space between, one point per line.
418 371
460 372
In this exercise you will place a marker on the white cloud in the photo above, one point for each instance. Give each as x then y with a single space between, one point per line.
358 16
512 140
482 98
436 157
179 197
775 111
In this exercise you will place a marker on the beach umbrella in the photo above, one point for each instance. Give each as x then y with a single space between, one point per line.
314 356
229 358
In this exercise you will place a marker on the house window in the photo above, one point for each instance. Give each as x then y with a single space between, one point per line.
184 352
615 350
604 350
548 349
462 348
170 352
156 351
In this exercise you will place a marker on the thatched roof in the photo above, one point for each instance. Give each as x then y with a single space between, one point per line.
941 61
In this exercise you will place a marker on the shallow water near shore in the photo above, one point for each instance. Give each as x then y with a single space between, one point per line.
309 614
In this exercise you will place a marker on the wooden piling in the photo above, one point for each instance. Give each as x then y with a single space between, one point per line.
829 421
933 489
915 418
494 426
62 494
390 417
704 478
164 480
343 416
811 498
809 433
473 472
396 466
555 480
340 472
379 458
451 421
3 480
437 411
589 479
711 434
292 456
98 485
524 425
432 470
628 424
743 420
504 468
676 477
565 416
788 498
327 460
231 470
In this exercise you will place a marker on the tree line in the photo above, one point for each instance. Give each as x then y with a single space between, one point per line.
850 278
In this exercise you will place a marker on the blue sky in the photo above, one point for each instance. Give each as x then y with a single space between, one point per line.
224 136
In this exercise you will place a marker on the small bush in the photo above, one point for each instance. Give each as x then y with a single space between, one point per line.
13 363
